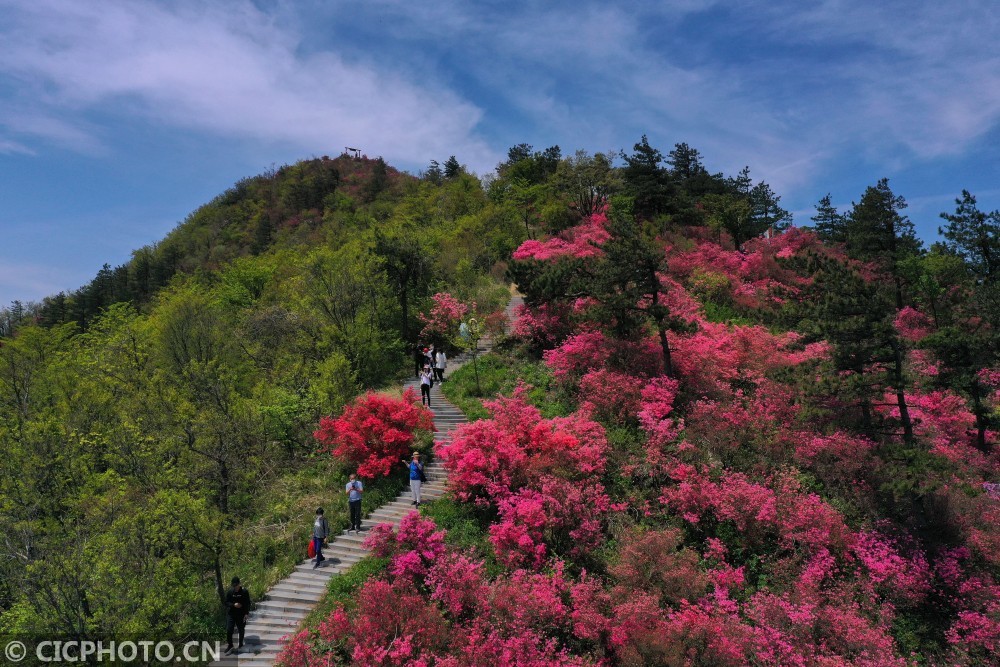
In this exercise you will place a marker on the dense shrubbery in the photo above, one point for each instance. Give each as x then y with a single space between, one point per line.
154 448
809 481
375 432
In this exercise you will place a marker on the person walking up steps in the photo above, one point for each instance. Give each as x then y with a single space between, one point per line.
237 608
442 363
354 490
426 382
321 530
416 477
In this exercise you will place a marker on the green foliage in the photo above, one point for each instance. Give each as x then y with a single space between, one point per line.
500 375
343 588
157 427
467 529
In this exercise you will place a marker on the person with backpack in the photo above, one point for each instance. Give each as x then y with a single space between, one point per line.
416 477
321 530
354 490
237 608
426 382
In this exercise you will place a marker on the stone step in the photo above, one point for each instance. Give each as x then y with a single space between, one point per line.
274 619
285 605
294 593
327 569
270 624
389 519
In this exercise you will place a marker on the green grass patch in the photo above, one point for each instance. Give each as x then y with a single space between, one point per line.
467 529
499 375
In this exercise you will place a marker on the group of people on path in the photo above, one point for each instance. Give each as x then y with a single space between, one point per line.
237 599
434 364
430 366
354 490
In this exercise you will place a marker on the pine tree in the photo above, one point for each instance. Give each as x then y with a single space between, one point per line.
433 173
766 213
975 236
830 225
452 168
878 233
646 180
685 162
856 317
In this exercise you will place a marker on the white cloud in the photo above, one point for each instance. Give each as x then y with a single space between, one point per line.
797 87
226 69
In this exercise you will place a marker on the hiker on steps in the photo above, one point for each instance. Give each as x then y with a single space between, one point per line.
237 608
321 530
426 382
416 477
442 363
354 490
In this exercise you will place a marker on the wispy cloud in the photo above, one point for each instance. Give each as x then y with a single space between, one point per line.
225 69
786 86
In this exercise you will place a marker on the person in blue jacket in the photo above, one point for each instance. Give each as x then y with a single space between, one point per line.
416 477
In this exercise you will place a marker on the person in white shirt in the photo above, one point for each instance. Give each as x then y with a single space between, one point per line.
442 363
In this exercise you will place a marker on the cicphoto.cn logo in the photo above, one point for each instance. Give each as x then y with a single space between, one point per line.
88 652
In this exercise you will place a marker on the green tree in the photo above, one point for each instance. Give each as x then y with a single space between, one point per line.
878 233
856 316
406 263
766 214
647 181
452 168
587 180
829 224
974 235
434 173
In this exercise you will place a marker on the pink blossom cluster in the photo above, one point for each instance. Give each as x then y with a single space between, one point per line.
538 473
542 327
442 321
375 431
912 325
581 241
752 277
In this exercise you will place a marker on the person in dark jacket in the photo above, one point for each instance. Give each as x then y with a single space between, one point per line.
237 608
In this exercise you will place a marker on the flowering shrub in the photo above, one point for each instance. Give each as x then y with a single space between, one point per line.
581 241
912 325
491 458
612 396
594 350
375 431
411 550
538 473
442 322
542 327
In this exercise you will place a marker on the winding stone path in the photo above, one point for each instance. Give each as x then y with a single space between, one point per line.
285 606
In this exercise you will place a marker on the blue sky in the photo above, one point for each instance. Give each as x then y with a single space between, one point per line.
117 119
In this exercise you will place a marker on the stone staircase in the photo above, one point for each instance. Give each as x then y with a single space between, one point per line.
282 609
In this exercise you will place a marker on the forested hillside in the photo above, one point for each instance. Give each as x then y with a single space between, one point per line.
721 439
